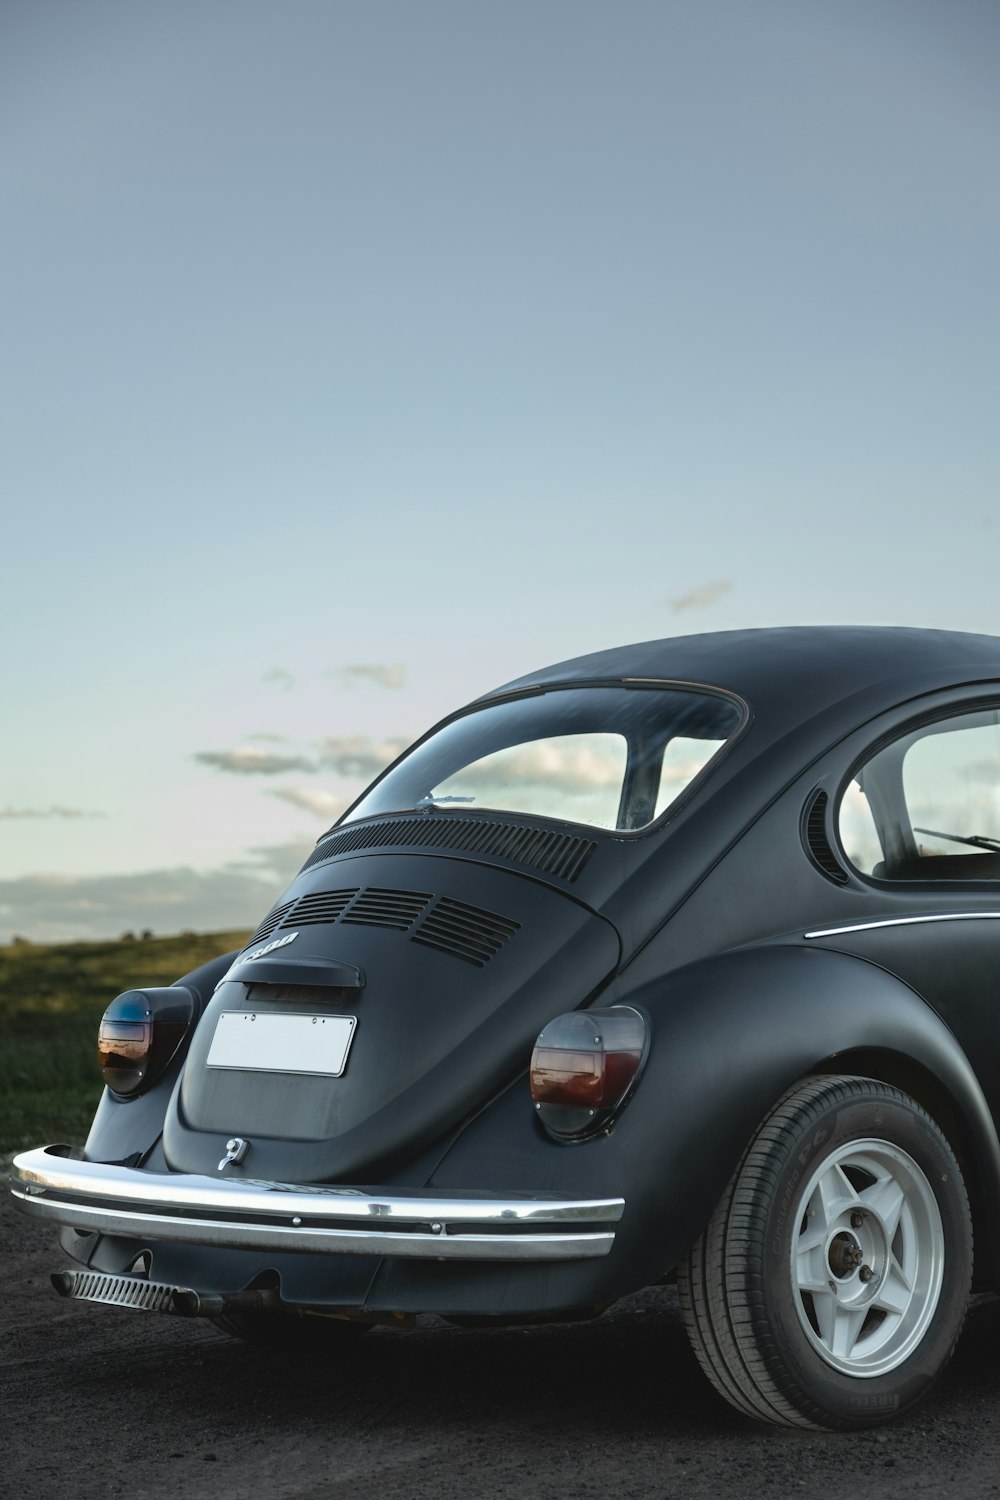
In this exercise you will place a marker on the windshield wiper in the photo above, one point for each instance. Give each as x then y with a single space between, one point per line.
436 801
422 805
977 840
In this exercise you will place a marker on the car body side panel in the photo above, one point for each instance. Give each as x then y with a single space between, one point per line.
953 964
684 916
730 1035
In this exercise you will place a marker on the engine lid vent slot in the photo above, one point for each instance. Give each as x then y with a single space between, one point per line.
450 926
466 931
270 922
561 854
386 908
321 907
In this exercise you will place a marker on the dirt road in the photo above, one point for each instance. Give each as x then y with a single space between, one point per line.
97 1402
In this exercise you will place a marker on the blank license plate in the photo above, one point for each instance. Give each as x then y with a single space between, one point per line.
273 1043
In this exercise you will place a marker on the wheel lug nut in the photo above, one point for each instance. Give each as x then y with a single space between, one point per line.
857 1220
866 1273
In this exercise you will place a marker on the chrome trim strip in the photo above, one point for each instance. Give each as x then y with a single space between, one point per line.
285 1216
236 1234
951 916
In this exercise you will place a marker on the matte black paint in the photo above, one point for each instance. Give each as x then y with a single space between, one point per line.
699 921
439 1036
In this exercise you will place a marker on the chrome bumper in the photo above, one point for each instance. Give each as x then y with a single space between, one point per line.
320 1220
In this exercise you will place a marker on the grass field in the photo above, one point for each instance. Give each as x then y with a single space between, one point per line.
52 998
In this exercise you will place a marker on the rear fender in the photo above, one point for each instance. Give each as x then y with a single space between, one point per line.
732 1034
729 1036
127 1128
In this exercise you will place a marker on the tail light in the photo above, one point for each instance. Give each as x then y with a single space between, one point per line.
584 1067
140 1033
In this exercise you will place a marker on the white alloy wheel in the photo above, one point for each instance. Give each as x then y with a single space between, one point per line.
868 1262
830 1285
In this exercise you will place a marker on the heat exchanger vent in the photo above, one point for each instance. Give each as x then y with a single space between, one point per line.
322 906
561 854
117 1291
270 922
378 908
466 931
817 842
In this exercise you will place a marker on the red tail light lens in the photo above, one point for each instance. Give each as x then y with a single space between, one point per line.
140 1033
584 1067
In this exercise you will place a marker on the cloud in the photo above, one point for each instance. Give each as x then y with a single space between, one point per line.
246 760
48 812
566 779
323 804
359 756
281 860
390 675
61 908
984 770
280 676
701 598
679 772
571 769
264 736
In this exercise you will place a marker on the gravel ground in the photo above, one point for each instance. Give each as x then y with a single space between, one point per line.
99 1402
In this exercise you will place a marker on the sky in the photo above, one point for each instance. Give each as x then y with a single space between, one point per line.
358 358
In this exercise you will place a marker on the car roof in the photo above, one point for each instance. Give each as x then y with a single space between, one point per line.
790 673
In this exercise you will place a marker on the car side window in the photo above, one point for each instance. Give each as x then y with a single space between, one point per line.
932 800
858 832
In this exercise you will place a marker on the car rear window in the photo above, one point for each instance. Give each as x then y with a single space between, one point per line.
608 757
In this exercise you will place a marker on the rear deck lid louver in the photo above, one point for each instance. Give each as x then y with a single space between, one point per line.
563 855
456 927
466 931
383 908
270 922
323 906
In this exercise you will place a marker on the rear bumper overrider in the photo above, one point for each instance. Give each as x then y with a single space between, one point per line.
315 1218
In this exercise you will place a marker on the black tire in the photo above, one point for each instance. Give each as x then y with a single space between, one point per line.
292 1331
830 1286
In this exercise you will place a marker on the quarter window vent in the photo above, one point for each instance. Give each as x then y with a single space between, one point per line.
561 854
466 931
817 842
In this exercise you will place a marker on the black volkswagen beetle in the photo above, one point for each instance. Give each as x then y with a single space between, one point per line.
678 959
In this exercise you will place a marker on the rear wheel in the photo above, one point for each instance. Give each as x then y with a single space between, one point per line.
830 1285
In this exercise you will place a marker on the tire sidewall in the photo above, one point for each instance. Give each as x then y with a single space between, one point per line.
841 1399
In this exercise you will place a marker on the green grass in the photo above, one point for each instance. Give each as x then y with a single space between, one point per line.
52 998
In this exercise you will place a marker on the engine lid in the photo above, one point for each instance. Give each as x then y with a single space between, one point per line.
448 971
